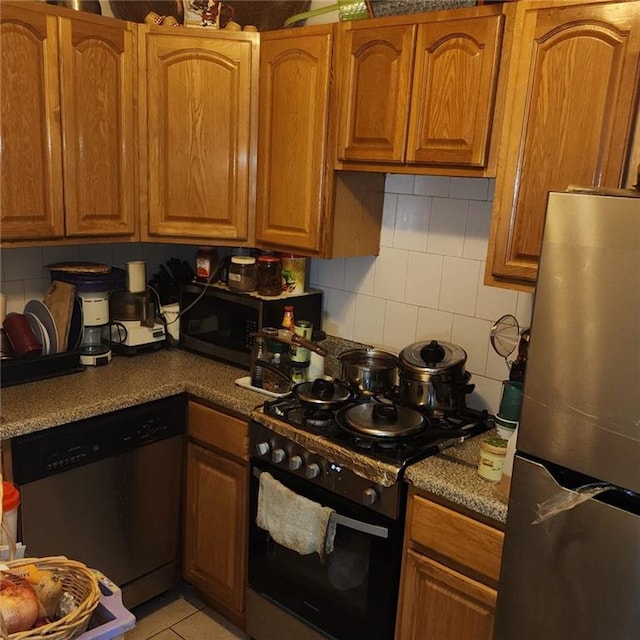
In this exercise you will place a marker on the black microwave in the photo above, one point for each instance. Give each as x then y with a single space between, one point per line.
219 323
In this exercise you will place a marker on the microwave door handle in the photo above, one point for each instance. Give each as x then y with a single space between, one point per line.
351 523
363 527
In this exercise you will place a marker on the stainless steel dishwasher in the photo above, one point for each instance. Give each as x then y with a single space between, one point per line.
106 491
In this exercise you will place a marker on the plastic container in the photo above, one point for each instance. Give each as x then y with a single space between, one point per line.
269 276
206 262
504 427
243 274
294 269
492 454
10 504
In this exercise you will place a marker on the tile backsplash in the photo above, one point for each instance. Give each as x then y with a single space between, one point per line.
425 284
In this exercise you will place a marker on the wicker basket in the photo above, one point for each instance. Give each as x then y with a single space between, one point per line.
77 580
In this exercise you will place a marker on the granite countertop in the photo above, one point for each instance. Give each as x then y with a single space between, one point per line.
129 381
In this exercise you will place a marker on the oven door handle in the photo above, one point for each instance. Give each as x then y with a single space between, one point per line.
351 523
358 525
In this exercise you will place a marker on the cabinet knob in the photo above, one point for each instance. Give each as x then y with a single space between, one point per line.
312 471
263 448
369 496
278 455
295 463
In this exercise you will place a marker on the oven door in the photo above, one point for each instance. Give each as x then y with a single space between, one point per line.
352 593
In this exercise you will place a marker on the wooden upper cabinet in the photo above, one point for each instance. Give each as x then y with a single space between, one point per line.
569 117
97 75
376 65
419 93
198 133
30 144
292 147
455 81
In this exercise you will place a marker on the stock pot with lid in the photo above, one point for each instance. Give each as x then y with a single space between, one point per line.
432 377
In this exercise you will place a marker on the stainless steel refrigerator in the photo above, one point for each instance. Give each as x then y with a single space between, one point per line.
576 572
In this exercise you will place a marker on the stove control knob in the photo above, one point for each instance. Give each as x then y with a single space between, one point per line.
369 496
278 455
263 448
295 462
312 471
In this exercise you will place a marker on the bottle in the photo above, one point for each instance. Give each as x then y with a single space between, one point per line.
257 353
242 274
206 262
269 275
287 319
304 329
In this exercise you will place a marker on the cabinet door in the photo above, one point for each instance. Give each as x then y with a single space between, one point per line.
97 74
216 527
454 88
438 603
294 107
375 64
571 94
199 127
30 145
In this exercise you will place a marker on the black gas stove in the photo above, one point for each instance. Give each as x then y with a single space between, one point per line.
431 436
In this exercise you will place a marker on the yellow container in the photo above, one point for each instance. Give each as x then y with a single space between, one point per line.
492 454
294 269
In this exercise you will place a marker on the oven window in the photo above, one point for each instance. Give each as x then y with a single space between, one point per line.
352 592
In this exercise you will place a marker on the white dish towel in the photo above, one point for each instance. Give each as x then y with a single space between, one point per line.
293 521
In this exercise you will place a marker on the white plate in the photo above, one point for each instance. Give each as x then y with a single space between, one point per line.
39 331
41 311
246 384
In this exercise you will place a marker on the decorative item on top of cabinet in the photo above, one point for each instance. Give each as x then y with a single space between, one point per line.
216 509
67 125
449 576
304 205
571 100
419 92
198 134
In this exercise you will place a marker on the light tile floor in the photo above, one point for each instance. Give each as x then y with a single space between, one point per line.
181 615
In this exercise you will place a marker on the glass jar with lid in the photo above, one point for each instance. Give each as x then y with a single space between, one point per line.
243 274
269 275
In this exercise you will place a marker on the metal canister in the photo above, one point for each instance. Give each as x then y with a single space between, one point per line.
304 329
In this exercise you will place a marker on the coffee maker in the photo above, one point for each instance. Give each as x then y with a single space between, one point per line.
133 328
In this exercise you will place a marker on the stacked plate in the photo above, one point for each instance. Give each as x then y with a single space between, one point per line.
44 327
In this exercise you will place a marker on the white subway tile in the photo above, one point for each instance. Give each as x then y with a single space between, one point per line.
51 255
331 273
313 271
476 233
412 222
339 309
424 275
14 290
400 322
34 289
434 325
369 320
486 395
469 188
432 186
459 288
387 230
359 274
398 183
472 334
446 229
391 273
23 263
497 367
102 253
494 302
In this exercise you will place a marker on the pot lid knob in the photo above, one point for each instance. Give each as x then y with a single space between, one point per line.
322 389
432 353
387 413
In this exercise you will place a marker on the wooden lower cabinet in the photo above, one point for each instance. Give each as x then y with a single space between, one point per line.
450 571
216 510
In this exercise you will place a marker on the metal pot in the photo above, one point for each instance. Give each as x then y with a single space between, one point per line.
433 378
369 371
322 394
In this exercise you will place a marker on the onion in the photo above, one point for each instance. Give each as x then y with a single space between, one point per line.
18 606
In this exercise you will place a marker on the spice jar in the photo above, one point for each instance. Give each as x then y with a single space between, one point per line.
492 454
206 262
243 274
269 275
